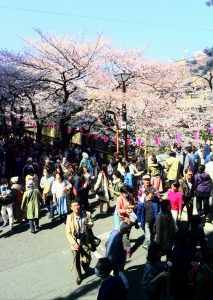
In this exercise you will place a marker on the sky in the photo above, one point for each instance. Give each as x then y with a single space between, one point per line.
166 29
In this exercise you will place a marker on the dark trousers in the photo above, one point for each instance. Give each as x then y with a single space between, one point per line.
189 208
82 257
205 201
34 223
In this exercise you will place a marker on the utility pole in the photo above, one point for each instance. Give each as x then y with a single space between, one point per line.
124 118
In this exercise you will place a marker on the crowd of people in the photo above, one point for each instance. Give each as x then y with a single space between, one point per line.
147 195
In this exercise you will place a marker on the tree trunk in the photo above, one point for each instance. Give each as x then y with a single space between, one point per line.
39 131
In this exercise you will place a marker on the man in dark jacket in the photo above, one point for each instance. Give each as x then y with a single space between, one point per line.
112 287
187 189
115 249
80 189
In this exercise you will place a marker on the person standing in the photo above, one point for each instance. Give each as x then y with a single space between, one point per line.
147 211
19 190
189 160
155 170
46 183
115 251
77 226
60 191
102 184
165 228
176 199
7 197
187 190
32 203
202 186
173 168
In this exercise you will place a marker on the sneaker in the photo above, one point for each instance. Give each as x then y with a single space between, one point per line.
5 224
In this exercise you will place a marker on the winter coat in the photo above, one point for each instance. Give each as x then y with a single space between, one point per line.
103 183
141 210
202 184
187 193
172 165
165 230
32 202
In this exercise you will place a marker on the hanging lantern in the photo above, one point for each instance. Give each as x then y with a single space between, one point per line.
157 140
105 139
177 138
114 140
88 134
95 136
128 142
196 135
68 130
138 142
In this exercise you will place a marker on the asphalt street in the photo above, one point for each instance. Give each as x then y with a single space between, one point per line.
38 266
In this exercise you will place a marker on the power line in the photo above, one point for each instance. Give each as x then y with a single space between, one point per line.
104 19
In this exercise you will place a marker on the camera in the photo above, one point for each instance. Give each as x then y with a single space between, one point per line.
78 235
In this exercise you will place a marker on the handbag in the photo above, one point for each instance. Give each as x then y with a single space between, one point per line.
92 240
100 190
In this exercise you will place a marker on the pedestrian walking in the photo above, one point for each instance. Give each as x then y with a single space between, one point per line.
31 203
77 226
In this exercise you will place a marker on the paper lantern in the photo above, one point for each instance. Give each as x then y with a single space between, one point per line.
138 142
95 136
68 130
177 138
87 134
157 140
114 140
196 135
105 139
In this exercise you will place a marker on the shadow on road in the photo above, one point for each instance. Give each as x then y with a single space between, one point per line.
80 292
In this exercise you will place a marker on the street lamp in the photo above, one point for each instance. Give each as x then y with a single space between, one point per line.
122 79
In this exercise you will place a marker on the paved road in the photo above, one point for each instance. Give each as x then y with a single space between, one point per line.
38 266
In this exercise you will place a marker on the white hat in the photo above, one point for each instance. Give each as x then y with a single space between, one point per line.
14 179
29 159
85 155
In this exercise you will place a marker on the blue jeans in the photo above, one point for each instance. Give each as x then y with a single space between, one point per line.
149 234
